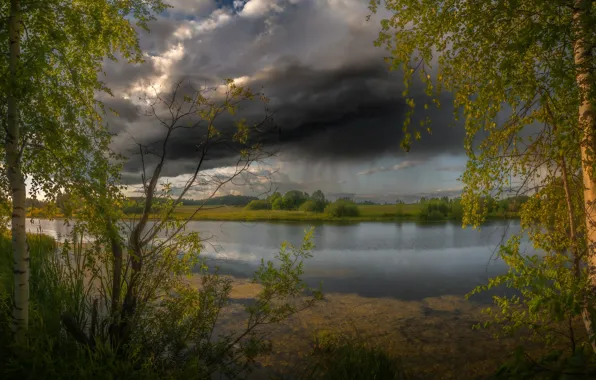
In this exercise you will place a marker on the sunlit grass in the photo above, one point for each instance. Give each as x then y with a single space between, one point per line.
367 213
392 212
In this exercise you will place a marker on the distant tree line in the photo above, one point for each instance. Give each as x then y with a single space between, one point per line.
451 208
224 200
296 200
367 203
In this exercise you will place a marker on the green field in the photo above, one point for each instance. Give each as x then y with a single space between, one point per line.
403 212
367 213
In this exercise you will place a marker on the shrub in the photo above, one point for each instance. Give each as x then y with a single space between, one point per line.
313 206
171 339
258 205
342 208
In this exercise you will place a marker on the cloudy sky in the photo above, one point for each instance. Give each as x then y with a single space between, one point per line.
339 109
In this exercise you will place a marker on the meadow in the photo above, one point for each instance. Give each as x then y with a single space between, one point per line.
367 213
390 212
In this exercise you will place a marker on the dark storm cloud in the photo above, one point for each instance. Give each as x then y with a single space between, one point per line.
185 145
353 112
332 95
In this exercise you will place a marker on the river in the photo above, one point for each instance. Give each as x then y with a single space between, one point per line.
406 261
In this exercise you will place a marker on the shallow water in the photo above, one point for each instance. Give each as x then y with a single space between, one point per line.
407 261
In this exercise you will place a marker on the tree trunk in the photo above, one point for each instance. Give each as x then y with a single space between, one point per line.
587 123
131 298
16 181
117 275
115 311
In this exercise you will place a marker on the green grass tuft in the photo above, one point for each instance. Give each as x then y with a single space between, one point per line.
337 357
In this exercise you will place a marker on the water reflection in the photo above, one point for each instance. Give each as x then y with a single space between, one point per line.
405 260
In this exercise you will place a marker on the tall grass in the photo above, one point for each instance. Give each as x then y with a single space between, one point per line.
341 357
174 339
51 353
44 280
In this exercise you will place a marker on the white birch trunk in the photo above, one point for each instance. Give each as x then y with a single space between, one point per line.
587 123
17 183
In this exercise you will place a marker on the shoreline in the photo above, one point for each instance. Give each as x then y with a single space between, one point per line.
376 213
348 220
410 213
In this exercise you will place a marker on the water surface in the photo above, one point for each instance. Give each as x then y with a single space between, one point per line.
408 261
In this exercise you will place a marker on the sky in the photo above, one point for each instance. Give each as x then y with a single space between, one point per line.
338 108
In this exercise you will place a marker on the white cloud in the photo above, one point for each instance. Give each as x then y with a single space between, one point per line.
260 8
257 42
162 65
254 180
217 19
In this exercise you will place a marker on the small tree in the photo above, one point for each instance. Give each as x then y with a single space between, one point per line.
342 208
260 204
149 306
274 196
318 196
293 199
278 204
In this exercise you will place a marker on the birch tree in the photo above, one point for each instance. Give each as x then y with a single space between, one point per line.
52 52
521 74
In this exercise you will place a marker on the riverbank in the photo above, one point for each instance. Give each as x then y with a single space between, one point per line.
368 213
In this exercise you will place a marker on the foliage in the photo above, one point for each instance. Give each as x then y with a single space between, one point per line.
313 206
260 204
273 197
57 285
277 204
517 73
176 336
342 208
64 53
434 208
51 55
337 357
546 310
145 266
318 196
293 199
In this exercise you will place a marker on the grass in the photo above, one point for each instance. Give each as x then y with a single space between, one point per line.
50 353
368 213
338 357
405 212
